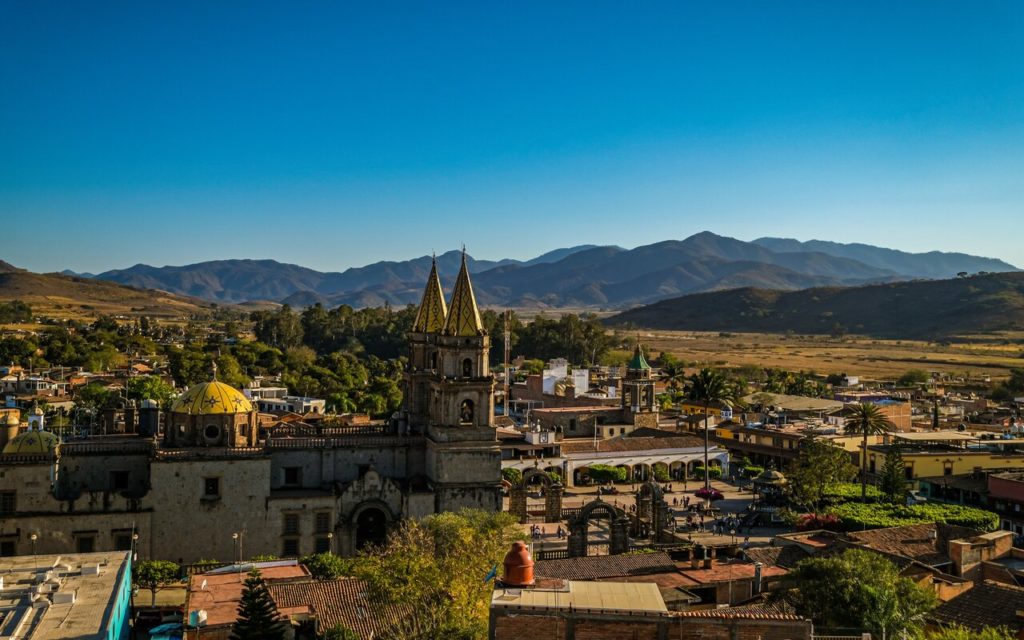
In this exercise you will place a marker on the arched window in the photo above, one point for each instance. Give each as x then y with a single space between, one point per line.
433 360
467 368
466 412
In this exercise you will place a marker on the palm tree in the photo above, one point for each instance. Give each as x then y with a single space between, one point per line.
866 420
706 387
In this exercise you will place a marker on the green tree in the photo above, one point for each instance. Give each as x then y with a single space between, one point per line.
155 575
150 388
435 567
893 482
958 632
257 615
326 566
339 632
15 311
513 475
709 387
912 377
865 420
818 465
856 589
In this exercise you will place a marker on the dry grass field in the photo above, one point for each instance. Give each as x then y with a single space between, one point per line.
867 357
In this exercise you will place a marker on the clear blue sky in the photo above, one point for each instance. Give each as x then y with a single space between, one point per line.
335 134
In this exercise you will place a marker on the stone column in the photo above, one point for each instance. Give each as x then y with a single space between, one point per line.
517 504
619 540
553 503
577 544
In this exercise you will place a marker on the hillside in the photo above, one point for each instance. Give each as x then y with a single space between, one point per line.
582 276
933 264
57 295
906 310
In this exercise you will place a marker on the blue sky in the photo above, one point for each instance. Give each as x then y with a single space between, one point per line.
337 134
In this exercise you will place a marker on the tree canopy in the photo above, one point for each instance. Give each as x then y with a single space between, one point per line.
257 615
856 589
818 465
155 575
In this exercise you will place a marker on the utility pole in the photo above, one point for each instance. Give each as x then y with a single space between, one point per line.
508 352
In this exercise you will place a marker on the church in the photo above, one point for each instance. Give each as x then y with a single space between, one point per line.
208 486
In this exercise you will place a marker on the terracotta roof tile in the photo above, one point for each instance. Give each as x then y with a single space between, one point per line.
781 556
332 602
988 604
598 567
926 543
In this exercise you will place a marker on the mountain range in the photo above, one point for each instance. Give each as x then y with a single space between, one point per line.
919 309
590 276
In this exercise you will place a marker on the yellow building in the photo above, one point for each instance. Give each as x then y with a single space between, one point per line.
929 454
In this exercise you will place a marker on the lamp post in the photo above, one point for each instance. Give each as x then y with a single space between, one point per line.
32 538
330 542
236 538
135 547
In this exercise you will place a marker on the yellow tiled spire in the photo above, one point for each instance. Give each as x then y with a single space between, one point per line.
431 316
463 315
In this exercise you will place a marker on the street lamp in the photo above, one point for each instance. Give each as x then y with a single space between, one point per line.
330 542
33 537
236 538
135 547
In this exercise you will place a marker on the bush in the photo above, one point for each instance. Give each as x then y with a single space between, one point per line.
603 473
815 521
752 471
711 494
854 515
850 492
661 474
716 473
513 475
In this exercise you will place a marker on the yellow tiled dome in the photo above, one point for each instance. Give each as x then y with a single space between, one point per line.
32 442
12 419
208 398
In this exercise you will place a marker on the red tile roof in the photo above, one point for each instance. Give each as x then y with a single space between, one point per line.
598 567
989 604
344 601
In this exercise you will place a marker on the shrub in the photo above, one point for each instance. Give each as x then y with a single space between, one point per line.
603 473
855 515
513 475
698 472
752 471
661 474
850 492
814 521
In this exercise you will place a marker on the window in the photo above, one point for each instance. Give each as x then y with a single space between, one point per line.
7 502
119 480
8 547
908 472
322 544
947 468
572 424
211 487
292 476
85 543
212 432
291 524
323 521
871 464
122 539
466 412
290 547
467 368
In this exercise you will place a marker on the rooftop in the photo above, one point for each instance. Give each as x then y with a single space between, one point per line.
988 604
634 597
344 601
925 543
597 567
218 592
627 444
79 599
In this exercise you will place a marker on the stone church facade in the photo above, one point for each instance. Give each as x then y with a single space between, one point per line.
210 487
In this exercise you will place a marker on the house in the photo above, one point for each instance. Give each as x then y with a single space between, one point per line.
989 604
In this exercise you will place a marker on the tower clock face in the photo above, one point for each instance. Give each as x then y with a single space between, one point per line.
543 438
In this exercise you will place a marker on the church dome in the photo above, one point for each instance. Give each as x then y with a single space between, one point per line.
32 442
12 419
208 398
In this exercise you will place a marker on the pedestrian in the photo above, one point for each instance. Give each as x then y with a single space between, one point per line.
746 542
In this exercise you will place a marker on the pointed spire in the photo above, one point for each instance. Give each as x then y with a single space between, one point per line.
638 362
464 316
430 318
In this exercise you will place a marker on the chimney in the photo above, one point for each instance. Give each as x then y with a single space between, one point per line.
756 587
695 556
518 566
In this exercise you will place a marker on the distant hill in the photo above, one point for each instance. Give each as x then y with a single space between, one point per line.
582 276
934 264
924 309
59 295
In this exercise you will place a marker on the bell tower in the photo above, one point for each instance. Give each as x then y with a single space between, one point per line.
450 397
638 403
424 358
